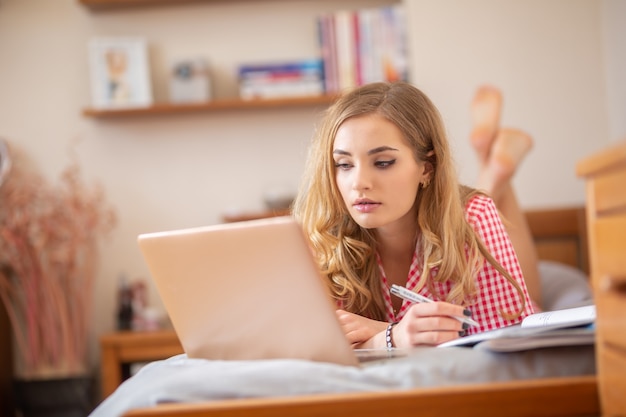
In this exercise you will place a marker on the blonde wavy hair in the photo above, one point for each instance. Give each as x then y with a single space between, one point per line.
346 252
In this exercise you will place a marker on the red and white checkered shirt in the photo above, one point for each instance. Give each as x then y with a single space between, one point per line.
494 292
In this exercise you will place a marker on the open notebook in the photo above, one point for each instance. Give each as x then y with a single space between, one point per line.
566 327
247 290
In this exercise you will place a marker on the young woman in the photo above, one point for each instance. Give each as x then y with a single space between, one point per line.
381 205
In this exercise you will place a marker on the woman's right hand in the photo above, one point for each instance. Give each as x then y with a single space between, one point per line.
429 324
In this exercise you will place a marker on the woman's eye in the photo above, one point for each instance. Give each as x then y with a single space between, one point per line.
342 165
385 164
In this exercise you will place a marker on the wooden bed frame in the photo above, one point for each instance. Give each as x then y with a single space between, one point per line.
560 235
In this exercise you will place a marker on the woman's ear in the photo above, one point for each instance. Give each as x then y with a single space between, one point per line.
429 171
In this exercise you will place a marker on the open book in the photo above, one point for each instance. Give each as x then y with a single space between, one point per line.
568 327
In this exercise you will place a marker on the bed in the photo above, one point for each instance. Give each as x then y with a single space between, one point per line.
458 381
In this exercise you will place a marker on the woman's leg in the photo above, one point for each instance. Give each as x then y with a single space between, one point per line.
486 107
507 149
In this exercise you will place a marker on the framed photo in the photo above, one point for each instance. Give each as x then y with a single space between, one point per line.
120 75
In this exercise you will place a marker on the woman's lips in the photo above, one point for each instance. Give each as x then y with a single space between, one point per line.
366 206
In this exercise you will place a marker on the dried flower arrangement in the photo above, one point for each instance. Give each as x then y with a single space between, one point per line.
49 246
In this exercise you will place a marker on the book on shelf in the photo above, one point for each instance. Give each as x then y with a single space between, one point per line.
568 327
281 79
363 46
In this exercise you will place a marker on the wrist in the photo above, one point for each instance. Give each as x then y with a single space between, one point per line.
389 336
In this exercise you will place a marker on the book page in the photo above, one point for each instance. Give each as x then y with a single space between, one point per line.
569 317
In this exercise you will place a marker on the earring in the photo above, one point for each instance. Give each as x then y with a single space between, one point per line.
425 183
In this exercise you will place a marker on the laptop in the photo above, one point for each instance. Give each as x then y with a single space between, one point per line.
246 290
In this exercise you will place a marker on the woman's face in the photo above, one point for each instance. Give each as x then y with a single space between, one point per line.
376 173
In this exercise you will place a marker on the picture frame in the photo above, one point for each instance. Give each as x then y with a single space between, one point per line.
120 75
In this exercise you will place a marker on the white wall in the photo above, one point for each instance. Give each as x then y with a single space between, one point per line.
546 56
184 170
614 31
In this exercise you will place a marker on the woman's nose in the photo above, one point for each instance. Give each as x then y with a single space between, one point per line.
362 179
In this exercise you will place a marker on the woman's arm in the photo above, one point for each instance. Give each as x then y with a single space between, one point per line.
423 324
360 330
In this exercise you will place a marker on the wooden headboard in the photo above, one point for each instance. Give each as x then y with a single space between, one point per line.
560 234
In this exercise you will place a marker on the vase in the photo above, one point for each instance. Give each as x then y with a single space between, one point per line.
55 397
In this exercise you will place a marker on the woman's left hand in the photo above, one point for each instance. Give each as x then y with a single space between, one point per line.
359 329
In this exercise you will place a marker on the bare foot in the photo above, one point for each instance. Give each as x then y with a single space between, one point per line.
508 150
486 107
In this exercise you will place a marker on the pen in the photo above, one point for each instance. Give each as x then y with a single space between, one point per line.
414 297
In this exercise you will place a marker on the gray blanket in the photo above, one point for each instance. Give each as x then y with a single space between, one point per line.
181 379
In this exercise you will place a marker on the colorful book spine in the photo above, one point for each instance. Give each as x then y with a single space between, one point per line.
281 79
328 51
363 46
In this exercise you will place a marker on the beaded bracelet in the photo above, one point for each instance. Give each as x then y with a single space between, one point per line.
388 337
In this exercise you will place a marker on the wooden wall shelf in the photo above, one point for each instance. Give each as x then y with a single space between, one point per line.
216 105
108 4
